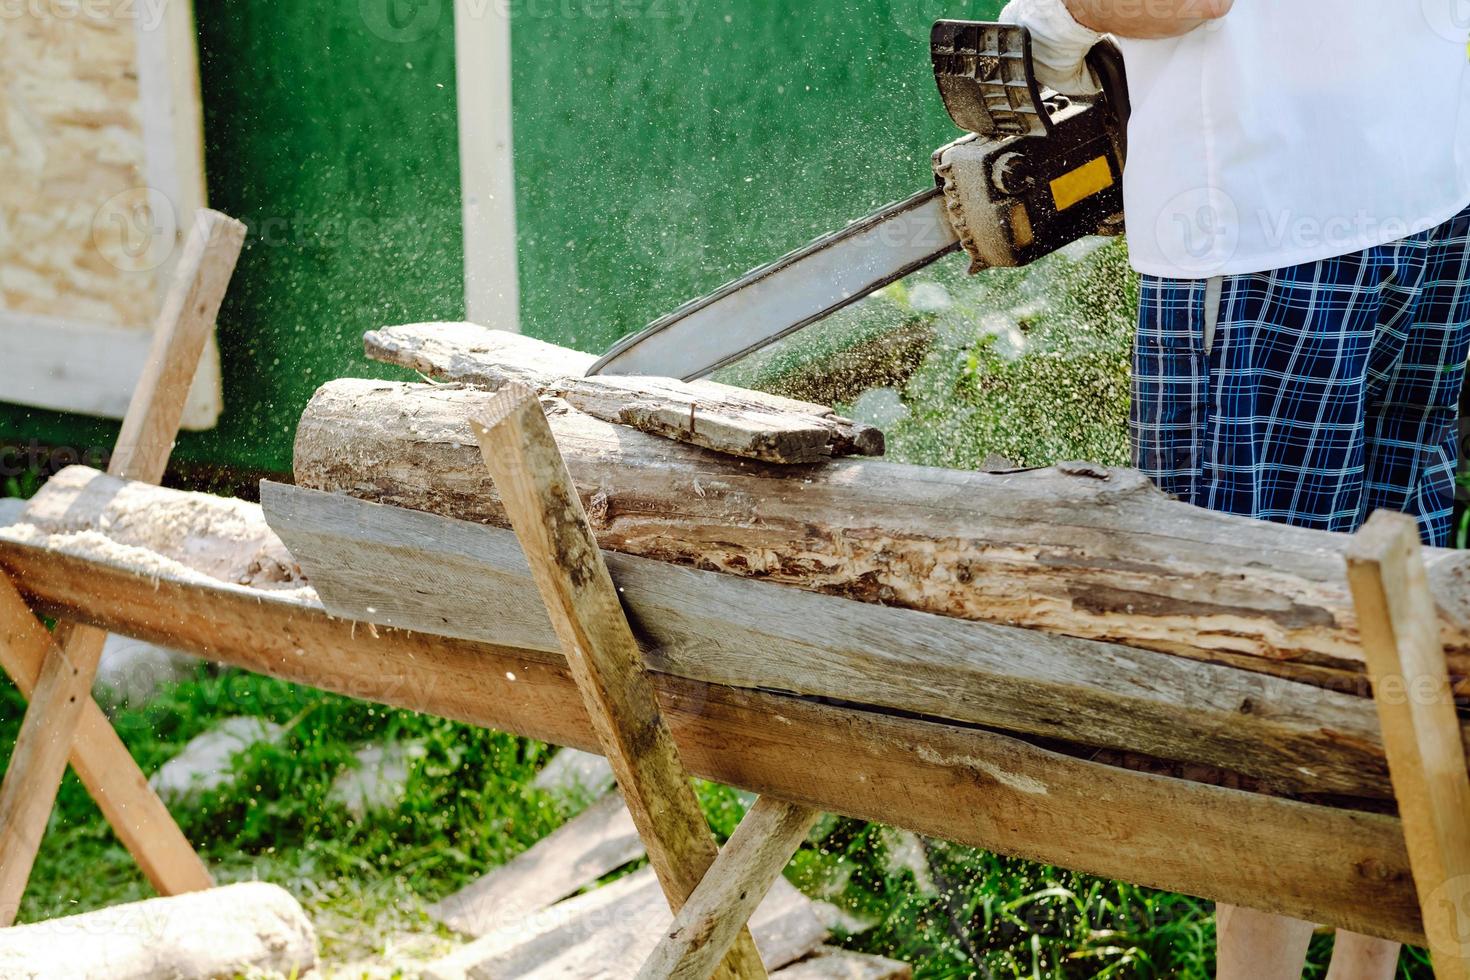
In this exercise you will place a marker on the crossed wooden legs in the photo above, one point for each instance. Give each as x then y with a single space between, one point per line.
136 814
62 722
712 894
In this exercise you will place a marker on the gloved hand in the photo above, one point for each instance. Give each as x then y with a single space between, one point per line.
1059 45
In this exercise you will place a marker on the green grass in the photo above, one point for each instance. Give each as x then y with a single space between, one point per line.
468 808
1028 365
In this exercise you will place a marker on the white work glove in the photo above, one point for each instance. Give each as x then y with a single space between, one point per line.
1059 45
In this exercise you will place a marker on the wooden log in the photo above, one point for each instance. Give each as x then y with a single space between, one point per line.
1426 751
729 420
749 864
1077 550
471 354
237 930
64 685
595 842
419 571
953 782
598 644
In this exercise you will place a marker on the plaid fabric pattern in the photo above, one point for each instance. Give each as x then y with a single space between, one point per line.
1327 390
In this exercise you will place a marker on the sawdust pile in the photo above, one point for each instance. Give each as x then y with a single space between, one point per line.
161 533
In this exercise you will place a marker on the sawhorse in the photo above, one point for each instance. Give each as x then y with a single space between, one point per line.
56 671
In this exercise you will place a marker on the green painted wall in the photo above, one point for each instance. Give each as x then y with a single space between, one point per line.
661 147
676 152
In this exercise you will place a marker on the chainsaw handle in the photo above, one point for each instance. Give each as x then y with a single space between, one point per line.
1106 61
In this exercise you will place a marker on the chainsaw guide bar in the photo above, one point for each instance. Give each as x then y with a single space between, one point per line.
1035 172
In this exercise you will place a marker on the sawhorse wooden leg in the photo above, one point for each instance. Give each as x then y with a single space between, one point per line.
63 686
103 763
548 518
731 890
1399 622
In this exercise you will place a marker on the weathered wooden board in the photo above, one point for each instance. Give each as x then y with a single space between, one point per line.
608 931
418 571
595 842
103 156
1077 550
603 655
830 963
958 783
729 420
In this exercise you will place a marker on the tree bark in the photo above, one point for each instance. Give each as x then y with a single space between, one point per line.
729 420
1078 550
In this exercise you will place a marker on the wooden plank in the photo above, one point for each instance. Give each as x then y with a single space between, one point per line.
519 946
605 660
486 159
472 354
63 687
954 782
732 425
184 324
830 963
749 864
1426 753
487 358
596 842
608 931
138 817
469 580
1076 550
92 369
725 419
172 112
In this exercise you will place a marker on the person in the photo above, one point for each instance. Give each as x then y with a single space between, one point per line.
1296 201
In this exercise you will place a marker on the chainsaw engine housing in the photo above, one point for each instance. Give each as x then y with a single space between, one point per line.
1038 170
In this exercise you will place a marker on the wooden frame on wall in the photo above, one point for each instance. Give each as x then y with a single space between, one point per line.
104 136
487 163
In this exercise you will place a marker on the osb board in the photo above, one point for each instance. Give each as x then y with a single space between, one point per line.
101 149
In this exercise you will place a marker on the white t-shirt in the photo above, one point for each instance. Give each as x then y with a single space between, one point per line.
1294 131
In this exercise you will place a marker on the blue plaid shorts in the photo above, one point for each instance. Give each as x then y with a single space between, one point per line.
1312 395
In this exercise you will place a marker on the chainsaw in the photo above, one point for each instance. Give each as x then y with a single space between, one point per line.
1036 170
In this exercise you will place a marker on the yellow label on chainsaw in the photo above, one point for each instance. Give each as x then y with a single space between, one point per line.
1082 183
